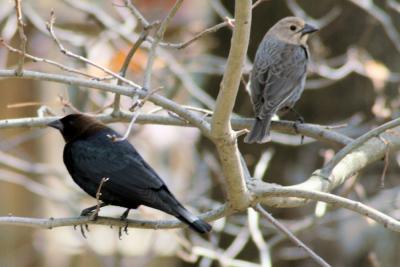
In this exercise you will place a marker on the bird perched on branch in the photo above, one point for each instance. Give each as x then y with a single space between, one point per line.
98 162
279 73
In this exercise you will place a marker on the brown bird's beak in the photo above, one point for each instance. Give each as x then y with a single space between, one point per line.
308 29
57 124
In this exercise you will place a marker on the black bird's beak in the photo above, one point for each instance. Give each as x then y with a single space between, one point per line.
57 124
308 29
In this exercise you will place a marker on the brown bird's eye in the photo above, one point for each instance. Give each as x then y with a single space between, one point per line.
293 28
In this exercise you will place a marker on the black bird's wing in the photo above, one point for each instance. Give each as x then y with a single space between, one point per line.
278 76
132 181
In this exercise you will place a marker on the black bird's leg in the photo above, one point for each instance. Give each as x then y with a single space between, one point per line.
299 120
93 216
89 211
123 218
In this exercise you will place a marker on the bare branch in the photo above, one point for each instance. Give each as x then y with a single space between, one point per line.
383 18
258 239
125 66
191 117
83 59
221 131
95 214
51 223
48 61
22 38
292 237
185 44
158 38
266 191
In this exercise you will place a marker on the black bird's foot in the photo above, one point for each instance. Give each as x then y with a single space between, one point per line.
93 211
83 228
125 228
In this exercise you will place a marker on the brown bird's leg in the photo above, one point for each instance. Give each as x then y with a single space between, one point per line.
299 120
123 218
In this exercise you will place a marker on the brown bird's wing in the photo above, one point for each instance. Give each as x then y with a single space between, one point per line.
278 75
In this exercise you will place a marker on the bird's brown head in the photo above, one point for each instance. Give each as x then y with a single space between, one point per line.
75 126
292 30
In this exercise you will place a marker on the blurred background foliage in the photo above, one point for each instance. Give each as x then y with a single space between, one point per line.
354 80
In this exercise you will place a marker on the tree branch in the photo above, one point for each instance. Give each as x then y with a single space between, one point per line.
50 223
221 131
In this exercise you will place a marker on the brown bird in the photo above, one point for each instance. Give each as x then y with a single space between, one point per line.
91 154
279 73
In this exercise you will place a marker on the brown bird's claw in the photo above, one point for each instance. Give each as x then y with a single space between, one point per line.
296 128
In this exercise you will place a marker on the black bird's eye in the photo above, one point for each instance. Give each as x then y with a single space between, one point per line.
293 28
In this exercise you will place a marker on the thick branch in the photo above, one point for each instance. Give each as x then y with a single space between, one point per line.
369 152
334 200
221 131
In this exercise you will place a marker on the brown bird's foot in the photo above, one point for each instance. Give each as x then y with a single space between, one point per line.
300 118
296 128
125 228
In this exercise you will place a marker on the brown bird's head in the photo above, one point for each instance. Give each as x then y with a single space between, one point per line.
292 30
75 126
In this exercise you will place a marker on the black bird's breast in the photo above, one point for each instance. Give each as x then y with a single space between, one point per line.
131 181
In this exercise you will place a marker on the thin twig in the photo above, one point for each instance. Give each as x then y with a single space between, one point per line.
125 65
291 236
142 20
258 239
256 3
95 214
73 55
185 44
386 161
22 38
44 60
157 39
128 131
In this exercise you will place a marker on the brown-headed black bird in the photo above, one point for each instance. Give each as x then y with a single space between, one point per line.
91 154
279 73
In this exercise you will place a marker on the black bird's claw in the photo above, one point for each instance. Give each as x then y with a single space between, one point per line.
87 211
124 229
83 227
123 218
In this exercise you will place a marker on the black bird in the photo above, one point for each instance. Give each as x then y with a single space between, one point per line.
91 154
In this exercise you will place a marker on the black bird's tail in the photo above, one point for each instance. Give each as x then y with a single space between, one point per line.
194 222
259 132
171 205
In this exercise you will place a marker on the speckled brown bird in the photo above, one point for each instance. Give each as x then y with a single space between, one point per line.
279 73
91 154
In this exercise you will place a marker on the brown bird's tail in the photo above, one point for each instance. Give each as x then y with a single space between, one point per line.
260 131
194 222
